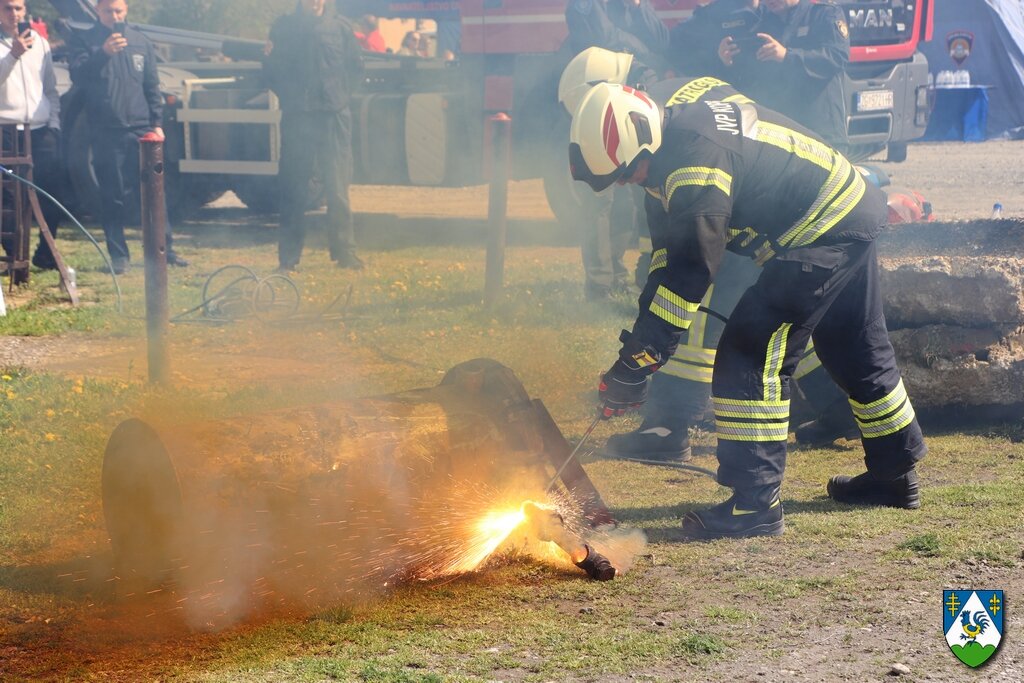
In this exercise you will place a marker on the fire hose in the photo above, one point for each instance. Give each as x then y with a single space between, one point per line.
579 445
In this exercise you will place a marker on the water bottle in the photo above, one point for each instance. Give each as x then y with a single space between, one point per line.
997 211
72 282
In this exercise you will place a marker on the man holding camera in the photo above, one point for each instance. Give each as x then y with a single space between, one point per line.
28 96
313 63
115 65
693 43
800 52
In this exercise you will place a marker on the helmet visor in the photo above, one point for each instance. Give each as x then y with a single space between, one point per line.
581 171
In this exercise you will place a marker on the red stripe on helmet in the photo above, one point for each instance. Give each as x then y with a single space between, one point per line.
610 134
638 93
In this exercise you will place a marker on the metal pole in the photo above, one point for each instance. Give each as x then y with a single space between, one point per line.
497 207
154 247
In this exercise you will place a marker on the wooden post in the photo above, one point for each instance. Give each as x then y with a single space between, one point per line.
497 207
154 247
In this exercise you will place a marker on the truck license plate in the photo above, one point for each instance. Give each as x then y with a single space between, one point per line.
874 100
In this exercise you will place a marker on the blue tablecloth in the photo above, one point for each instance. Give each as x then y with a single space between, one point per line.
959 114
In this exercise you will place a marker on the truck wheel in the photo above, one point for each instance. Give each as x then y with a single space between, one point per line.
896 152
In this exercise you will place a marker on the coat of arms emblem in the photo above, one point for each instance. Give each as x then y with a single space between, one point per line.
972 621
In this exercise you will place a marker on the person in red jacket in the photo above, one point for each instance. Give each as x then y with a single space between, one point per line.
368 34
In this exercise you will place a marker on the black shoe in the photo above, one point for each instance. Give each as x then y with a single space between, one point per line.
44 261
120 266
287 269
864 489
834 423
734 520
650 443
347 259
176 261
597 566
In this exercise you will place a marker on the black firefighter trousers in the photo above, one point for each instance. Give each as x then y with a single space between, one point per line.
315 141
829 293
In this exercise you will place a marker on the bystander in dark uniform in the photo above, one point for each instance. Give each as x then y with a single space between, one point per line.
693 43
313 63
621 26
29 97
115 66
608 222
801 57
811 219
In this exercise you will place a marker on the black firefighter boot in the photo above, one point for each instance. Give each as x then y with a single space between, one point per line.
747 513
654 440
866 489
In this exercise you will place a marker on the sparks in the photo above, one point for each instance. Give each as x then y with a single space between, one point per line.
489 532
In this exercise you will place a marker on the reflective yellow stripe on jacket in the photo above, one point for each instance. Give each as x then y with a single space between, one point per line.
659 259
701 176
693 361
673 308
839 194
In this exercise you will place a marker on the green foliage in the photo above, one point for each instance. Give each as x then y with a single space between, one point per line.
695 646
925 544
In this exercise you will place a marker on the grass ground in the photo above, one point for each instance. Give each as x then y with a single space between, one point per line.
843 595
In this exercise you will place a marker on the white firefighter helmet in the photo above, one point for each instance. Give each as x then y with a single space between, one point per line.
613 127
590 67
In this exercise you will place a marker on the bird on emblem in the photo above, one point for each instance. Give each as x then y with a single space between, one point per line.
972 631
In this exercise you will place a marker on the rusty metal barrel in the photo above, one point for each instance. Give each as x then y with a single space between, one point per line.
318 502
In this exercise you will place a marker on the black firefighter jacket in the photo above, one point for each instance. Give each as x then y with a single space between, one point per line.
315 63
731 174
121 91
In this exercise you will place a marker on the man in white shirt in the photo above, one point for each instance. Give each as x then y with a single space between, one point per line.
28 95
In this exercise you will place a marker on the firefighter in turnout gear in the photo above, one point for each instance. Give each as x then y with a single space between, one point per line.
680 391
811 220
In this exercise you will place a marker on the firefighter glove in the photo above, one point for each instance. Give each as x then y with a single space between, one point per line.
621 389
624 386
